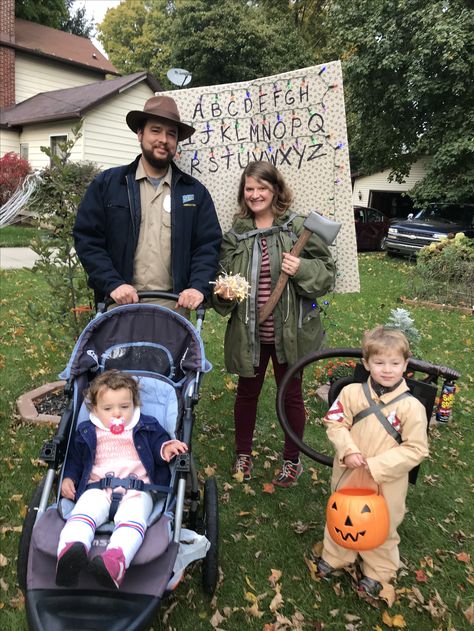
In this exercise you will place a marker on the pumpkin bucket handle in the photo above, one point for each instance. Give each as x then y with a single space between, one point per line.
379 492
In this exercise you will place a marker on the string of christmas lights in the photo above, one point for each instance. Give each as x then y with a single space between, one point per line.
233 115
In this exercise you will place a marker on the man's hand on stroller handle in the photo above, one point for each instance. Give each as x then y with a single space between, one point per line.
172 448
124 294
190 299
68 489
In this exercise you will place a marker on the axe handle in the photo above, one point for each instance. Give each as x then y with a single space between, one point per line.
274 297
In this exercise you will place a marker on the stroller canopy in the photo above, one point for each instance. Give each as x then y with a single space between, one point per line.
142 337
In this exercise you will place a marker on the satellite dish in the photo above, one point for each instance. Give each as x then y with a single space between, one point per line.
179 77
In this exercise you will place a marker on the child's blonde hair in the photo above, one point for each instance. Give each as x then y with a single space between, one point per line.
113 380
382 339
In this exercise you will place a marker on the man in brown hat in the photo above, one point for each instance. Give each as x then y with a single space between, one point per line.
148 225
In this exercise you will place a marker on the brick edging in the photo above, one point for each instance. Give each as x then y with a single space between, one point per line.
26 403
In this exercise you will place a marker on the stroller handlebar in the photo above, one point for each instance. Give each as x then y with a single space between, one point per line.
160 295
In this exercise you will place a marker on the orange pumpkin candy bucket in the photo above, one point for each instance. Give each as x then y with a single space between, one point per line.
357 518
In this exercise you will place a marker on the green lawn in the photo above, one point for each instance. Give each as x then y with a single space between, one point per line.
17 236
262 532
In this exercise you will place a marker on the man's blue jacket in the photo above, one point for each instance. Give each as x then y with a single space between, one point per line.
108 223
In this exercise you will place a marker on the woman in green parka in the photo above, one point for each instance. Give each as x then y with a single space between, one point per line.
258 248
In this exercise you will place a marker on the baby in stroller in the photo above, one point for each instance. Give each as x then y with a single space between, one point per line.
115 459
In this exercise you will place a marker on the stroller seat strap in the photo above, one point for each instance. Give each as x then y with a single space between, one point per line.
376 408
111 482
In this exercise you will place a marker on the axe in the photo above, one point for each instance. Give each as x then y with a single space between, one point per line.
314 223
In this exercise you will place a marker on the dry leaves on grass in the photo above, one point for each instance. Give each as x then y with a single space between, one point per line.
464 557
469 614
421 576
210 471
397 621
277 600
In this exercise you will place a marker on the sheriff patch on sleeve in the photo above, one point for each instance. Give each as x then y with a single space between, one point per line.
188 200
335 412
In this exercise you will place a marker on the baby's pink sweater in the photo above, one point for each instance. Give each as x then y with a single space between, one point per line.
116 454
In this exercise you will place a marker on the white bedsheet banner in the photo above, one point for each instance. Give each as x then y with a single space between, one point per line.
296 120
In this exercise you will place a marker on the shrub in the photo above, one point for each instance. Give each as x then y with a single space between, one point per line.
333 370
55 205
13 171
401 319
445 271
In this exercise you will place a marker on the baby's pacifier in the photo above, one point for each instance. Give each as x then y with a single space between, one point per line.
117 425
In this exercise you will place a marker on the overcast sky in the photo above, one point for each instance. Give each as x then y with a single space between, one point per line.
95 10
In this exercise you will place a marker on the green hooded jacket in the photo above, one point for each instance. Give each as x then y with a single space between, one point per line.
298 328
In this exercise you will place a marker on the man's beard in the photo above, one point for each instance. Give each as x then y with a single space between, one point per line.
157 163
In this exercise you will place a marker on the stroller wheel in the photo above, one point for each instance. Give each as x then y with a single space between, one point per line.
25 537
210 564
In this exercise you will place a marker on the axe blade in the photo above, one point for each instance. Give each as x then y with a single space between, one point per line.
326 229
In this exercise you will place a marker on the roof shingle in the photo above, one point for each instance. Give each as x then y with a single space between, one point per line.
45 41
70 102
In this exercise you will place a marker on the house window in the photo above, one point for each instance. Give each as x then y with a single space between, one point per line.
24 150
55 143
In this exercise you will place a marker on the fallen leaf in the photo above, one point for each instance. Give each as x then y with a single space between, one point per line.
418 594
274 577
239 476
247 580
268 487
5 529
317 548
3 560
216 619
397 621
312 567
209 471
464 557
469 613
254 611
250 597
277 600
229 384
421 576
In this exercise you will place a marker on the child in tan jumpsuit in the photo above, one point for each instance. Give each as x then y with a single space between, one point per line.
381 453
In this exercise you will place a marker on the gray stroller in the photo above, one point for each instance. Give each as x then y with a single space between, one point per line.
164 351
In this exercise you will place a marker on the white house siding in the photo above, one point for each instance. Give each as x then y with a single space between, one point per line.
108 141
379 182
35 75
9 141
37 136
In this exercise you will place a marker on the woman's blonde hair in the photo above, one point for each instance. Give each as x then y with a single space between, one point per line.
382 339
111 380
267 173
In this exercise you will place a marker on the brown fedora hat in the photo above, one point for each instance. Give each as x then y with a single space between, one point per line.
159 107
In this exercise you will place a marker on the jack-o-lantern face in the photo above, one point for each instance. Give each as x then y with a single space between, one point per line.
357 518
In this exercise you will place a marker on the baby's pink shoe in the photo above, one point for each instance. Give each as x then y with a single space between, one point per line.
109 568
71 560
